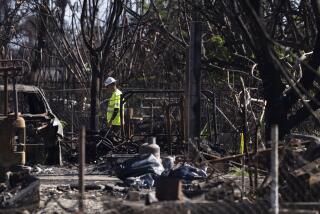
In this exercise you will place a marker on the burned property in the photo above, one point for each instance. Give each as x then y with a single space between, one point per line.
159 106
44 131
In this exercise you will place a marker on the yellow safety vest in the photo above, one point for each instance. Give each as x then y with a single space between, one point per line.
114 102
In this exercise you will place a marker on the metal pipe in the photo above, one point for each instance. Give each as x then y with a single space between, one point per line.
129 92
215 127
209 123
15 96
72 120
274 169
182 121
5 94
152 117
81 146
168 124
122 102
8 66
238 156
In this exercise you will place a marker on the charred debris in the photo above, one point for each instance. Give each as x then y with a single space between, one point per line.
160 161
218 111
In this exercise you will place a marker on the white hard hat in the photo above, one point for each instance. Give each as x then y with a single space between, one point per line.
109 81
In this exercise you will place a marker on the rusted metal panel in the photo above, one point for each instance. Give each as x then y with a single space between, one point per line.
12 150
42 127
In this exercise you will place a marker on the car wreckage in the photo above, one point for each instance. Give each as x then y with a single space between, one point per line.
44 131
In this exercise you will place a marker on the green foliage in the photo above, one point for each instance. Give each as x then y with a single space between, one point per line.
279 51
204 134
217 48
161 7
236 171
282 53
217 40
63 123
146 6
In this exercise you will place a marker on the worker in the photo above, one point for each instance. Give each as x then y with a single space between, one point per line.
113 111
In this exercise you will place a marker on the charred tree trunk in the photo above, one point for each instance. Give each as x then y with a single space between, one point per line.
41 34
5 25
62 4
95 87
268 64
310 67
272 88
99 48
272 72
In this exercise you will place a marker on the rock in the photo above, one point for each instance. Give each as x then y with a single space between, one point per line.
3 187
151 198
64 188
112 187
168 162
25 212
134 196
36 170
48 171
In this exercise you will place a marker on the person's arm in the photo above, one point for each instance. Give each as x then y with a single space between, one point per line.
114 114
116 108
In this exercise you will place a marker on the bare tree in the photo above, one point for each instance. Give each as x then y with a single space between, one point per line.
10 16
98 45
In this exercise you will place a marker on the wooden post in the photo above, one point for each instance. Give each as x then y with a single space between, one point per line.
193 82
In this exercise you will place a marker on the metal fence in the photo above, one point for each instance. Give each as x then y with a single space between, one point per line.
151 111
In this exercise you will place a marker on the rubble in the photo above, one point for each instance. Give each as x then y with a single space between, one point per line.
140 165
207 179
133 196
222 190
187 172
21 191
193 187
169 189
151 198
144 181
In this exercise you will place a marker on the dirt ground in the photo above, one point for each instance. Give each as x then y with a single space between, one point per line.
105 193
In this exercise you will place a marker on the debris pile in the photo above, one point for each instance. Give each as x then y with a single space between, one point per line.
19 190
298 178
146 182
137 166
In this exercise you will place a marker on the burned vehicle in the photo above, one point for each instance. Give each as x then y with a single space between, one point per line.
44 131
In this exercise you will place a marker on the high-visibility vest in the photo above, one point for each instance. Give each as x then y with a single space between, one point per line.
114 102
